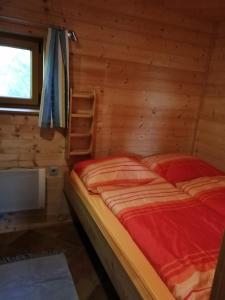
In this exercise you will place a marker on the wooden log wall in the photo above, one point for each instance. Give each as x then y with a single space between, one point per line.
210 142
23 144
147 64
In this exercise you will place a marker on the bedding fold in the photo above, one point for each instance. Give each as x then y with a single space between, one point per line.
209 190
173 207
177 233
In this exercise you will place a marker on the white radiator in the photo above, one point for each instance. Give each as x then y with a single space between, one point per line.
22 189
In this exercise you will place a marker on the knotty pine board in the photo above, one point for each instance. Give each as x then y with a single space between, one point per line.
148 66
23 144
210 143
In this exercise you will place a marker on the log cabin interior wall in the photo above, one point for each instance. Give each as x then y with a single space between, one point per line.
148 65
210 142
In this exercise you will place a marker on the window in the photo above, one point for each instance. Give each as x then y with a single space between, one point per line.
20 70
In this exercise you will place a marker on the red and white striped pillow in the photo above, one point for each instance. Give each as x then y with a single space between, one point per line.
177 167
119 171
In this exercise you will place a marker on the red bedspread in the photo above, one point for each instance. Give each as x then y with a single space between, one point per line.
180 167
179 234
208 190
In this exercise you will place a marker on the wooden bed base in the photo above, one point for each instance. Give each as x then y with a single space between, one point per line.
126 282
218 288
127 285
119 278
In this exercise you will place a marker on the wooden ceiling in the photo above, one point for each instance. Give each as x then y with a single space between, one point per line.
212 10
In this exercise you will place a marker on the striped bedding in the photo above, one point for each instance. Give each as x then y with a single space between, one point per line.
178 167
177 232
209 190
118 171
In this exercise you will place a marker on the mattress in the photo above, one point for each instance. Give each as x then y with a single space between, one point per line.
179 234
140 271
146 211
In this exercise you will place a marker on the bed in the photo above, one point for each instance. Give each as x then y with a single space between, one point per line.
130 271
131 274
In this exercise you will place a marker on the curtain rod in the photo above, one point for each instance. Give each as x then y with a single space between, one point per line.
71 34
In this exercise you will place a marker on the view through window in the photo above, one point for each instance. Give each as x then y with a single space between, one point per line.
15 72
20 70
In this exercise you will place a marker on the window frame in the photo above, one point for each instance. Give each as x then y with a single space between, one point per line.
35 45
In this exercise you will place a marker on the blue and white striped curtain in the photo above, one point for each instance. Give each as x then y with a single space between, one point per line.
55 92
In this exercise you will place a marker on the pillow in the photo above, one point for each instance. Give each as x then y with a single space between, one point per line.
120 171
179 167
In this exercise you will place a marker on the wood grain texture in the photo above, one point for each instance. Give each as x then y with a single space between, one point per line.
147 64
209 10
210 143
81 129
218 290
132 54
23 144
130 272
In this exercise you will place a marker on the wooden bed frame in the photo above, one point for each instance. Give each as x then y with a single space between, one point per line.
218 288
124 277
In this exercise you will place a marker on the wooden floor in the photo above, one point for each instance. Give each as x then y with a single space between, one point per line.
89 276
